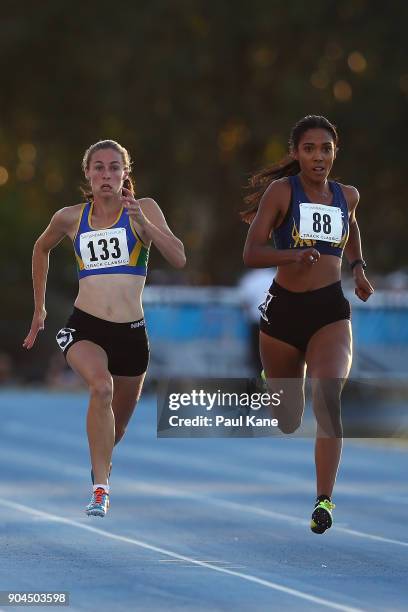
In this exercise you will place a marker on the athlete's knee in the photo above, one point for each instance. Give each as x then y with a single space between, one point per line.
326 393
102 388
289 427
327 405
289 413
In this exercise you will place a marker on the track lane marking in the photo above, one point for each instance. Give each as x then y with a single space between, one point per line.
157 456
176 492
248 577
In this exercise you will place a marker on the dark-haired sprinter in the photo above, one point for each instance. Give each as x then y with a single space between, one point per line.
305 319
104 339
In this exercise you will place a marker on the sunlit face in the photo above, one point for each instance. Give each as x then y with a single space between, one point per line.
106 173
316 153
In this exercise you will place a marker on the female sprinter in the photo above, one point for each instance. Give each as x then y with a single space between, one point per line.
104 339
305 319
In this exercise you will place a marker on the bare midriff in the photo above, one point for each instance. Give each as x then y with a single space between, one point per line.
300 277
113 297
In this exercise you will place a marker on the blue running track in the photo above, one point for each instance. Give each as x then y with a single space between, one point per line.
194 524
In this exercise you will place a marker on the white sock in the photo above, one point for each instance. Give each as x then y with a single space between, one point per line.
101 486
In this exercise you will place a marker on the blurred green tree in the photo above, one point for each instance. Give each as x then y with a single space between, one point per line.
201 94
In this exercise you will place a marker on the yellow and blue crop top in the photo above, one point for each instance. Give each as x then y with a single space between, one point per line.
116 249
325 228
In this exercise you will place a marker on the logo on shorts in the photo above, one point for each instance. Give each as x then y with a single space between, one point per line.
264 306
137 324
64 337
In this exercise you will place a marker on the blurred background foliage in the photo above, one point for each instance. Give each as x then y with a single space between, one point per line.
201 93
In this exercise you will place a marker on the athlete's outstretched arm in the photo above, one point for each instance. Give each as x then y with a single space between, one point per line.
53 234
258 252
147 213
363 288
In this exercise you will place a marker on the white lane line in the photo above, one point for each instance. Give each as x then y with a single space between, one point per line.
156 456
163 551
370 536
24 458
297 520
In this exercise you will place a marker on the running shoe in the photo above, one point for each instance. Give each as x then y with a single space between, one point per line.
92 474
322 518
264 381
99 503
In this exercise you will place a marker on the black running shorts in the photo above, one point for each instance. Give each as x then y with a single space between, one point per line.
294 317
125 344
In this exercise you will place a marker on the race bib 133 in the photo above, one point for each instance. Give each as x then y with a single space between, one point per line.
104 248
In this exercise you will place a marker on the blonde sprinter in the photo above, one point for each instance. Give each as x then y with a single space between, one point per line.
104 339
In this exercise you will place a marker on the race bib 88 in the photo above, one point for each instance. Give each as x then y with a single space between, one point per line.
104 248
320 222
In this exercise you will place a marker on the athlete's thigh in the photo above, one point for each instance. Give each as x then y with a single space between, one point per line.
329 351
89 361
284 367
126 393
280 359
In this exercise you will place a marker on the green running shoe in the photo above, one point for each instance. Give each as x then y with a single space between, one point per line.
322 518
264 381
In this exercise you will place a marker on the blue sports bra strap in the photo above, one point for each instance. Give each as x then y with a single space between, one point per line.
339 197
82 221
294 182
336 192
85 214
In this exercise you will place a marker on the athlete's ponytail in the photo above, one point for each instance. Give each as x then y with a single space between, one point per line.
260 181
128 184
288 166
